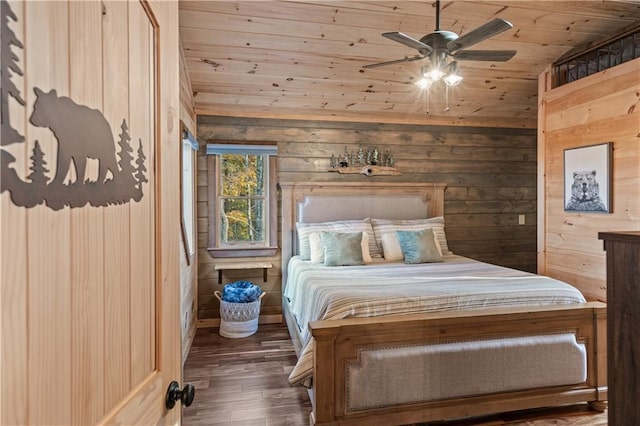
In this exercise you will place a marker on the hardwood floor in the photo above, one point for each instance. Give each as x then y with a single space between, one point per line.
243 382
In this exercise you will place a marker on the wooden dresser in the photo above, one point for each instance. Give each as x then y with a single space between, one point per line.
623 326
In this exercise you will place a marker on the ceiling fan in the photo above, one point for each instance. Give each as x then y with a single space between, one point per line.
439 45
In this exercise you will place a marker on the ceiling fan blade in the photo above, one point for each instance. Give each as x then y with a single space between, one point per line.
409 41
397 61
483 32
485 55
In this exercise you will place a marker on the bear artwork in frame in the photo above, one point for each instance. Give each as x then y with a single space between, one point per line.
587 178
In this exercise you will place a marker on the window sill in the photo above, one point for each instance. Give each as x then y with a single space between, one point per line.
243 252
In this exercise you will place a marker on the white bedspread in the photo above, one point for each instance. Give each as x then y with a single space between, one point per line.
318 292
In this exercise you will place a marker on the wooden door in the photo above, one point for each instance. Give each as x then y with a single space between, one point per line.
89 212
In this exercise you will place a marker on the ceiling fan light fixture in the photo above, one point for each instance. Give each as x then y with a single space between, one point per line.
453 80
434 74
424 83
453 77
436 70
443 49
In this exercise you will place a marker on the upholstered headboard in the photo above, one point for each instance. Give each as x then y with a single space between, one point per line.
329 201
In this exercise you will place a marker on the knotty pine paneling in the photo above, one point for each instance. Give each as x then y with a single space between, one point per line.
188 301
307 61
187 105
188 267
490 175
604 107
87 296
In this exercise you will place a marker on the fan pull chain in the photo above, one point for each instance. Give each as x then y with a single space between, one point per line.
446 97
426 94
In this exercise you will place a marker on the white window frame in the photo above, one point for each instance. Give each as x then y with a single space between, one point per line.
241 249
187 160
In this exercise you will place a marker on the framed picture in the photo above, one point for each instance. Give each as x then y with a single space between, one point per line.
588 178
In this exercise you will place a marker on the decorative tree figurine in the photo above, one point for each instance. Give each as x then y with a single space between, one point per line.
344 161
385 157
361 159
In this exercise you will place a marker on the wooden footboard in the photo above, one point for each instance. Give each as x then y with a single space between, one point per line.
339 342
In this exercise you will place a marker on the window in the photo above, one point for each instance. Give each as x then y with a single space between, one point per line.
189 147
242 204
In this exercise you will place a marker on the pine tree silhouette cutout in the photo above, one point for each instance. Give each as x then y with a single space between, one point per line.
8 67
125 178
38 169
140 176
38 186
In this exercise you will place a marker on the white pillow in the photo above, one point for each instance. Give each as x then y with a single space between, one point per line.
317 249
385 226
391 249
342 226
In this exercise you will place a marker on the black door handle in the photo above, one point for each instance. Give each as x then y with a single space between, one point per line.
174 394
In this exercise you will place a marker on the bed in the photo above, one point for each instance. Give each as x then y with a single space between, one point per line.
387 342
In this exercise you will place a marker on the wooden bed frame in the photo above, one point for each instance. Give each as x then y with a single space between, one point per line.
337 342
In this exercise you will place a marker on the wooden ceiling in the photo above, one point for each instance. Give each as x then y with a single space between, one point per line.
303 60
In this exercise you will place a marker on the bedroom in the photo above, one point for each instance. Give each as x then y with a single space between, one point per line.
486 212
491 169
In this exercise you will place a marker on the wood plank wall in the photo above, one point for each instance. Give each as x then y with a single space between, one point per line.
604 107
86 323
188 269
490 175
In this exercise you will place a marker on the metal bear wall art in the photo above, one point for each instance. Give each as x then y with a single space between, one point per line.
81 133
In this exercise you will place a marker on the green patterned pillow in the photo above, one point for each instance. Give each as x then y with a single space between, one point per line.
342 249
419 246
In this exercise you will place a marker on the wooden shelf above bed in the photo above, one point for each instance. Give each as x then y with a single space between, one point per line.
369 170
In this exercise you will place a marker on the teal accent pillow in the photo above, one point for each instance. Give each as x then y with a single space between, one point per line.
419 246
342 249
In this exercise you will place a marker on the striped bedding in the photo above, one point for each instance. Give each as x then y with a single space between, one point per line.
318 292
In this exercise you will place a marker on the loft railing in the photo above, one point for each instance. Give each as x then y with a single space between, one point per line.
610 53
